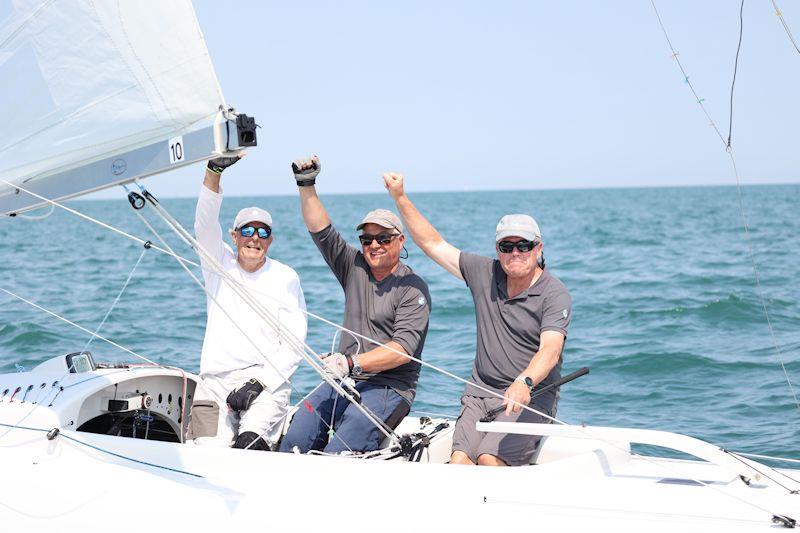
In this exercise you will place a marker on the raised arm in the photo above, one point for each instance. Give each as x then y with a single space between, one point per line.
422 231
206 221
314 214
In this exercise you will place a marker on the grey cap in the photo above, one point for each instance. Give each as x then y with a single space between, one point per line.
382 217
517 226
252 214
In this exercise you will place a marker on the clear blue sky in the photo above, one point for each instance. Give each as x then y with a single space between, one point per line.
501 95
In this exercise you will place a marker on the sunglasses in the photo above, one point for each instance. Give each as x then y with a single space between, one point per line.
506 247
249 231
383 238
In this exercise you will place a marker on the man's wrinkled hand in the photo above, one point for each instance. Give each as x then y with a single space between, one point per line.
394 184
240 399
518 393
306 170
336 365
221 163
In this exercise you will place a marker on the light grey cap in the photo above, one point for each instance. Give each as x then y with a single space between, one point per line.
382 217
252 214
517 226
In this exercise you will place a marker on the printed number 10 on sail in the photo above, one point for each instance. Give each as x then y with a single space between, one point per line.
176 149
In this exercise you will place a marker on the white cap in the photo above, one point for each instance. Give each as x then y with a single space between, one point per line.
252 214
517 226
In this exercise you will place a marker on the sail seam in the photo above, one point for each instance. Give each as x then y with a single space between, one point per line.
25 23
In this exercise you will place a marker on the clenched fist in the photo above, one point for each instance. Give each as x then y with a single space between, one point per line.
306 170
394 184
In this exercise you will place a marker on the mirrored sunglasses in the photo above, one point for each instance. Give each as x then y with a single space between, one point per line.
249 231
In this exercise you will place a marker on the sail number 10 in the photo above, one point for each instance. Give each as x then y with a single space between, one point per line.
176 149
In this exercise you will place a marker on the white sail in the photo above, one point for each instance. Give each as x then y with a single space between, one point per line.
84 80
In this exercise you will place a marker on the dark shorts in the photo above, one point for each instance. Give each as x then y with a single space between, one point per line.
515 450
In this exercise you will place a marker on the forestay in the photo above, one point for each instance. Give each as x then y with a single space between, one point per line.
85 81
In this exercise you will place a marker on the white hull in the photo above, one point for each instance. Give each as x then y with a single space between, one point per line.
577 484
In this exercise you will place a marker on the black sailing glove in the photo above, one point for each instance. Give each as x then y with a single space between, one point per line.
306 170
241 398
221 163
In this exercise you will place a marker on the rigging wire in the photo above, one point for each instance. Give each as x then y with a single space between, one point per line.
735 68
742 213
785 26
94 220
741 460
115 302
71 323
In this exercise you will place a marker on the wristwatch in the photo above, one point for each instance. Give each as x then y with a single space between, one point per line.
356 370
528 383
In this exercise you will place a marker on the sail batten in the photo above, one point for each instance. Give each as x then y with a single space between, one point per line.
90 80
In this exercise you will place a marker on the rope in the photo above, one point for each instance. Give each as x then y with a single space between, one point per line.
742 213
770 457
37 217
785 26
103 450
138 461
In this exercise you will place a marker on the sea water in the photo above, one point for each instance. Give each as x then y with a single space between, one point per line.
665 307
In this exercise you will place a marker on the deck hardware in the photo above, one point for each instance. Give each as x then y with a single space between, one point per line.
784 520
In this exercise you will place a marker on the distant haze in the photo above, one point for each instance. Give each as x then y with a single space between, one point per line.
501 95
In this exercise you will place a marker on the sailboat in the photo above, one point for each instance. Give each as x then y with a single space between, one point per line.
99 446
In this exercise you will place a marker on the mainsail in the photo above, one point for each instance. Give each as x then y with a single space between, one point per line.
99 93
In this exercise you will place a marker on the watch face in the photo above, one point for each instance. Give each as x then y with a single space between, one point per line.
529 382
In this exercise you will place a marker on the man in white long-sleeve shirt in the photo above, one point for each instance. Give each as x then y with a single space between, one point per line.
245 364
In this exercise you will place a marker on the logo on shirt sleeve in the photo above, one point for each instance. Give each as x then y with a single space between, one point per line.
565 313
421 300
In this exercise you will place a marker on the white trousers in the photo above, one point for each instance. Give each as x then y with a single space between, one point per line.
214 423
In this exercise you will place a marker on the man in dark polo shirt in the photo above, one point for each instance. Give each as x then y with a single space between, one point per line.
522 315
385 301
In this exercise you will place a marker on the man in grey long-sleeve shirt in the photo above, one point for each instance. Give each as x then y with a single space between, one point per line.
385 301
